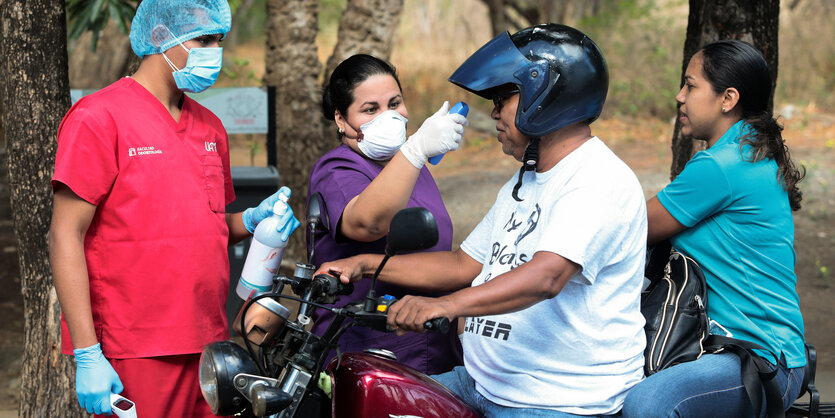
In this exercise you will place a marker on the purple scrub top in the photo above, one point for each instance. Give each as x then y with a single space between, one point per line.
339 176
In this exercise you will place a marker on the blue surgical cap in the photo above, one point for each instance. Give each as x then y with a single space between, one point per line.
160 24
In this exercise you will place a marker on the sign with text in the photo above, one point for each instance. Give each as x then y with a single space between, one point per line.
242 110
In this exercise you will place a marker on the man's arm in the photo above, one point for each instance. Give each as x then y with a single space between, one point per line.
541 278
436 271
660 224
95 378
71 216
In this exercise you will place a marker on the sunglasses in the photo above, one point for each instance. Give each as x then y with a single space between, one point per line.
501 97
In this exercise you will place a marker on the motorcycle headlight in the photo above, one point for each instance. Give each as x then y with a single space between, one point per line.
219 363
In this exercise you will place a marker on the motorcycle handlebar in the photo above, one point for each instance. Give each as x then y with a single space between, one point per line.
333 286
438 324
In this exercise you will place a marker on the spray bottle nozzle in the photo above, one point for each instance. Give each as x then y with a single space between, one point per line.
280 205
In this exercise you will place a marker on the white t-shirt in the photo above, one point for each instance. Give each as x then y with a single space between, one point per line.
581 351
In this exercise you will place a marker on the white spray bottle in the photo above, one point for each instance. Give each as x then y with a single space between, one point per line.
264 254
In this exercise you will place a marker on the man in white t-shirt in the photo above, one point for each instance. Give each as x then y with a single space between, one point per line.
549 281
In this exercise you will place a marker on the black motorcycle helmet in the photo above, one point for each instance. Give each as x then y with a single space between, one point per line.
560 72
561 75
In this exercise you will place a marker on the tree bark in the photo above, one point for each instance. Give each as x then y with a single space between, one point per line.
755 22
292 66
303 135
497 20
533 12
368 27
35 94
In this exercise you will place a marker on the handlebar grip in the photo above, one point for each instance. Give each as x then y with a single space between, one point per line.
333 286
438 324
345 289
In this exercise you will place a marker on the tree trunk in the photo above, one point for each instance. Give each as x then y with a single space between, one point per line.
35 94
368 27
109 62
527 13
293 67
365 27
755 22
496 10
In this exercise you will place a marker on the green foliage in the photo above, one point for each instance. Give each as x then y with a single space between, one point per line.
642 43
93 15
238 73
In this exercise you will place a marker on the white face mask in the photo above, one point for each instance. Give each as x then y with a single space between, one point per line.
383 136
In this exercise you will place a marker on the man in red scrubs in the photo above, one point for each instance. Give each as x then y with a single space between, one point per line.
139 234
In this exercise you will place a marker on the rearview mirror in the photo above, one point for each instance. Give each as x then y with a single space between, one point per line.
317 221
412 229
317 214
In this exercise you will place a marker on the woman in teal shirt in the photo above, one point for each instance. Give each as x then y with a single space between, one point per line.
731 210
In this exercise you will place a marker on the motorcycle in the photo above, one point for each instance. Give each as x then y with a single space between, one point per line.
284 376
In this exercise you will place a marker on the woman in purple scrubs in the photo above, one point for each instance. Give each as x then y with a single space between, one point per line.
365 181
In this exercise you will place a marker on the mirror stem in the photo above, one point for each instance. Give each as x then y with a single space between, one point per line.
311 229
371 298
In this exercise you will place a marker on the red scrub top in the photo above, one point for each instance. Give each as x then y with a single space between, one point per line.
156 249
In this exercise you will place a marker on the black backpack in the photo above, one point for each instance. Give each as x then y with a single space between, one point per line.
674 305
675 308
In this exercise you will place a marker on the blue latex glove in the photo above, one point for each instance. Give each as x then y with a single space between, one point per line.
252 216
95 379
287 224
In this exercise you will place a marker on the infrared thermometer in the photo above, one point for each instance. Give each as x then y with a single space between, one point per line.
122 407
460 108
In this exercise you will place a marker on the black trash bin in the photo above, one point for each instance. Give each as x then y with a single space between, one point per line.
252 185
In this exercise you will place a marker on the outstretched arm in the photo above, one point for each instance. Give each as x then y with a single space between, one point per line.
367 216
428 271
541 278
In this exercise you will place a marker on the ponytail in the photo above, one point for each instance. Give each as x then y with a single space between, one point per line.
766 139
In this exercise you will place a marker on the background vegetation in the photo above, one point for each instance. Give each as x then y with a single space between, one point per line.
641 39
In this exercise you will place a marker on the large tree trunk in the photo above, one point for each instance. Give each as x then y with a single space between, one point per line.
365 27
755 22
368 27
293 67
35 94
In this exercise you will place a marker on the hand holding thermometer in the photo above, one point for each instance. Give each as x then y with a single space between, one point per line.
460 108
122 407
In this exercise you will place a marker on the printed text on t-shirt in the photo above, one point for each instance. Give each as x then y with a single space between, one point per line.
132 152
488 328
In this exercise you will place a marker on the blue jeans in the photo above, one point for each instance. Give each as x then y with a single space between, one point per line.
708 387
462 384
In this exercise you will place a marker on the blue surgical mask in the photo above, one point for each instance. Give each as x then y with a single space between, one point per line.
201 70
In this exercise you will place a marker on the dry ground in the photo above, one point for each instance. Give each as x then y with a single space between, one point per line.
470 178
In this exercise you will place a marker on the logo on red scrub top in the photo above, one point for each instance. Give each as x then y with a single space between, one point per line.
133 152
210 146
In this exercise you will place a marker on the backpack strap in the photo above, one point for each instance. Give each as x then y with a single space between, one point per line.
757 373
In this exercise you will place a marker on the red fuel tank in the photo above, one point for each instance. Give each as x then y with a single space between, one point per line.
371 386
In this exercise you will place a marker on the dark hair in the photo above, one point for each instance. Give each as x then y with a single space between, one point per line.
339 93
737 64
